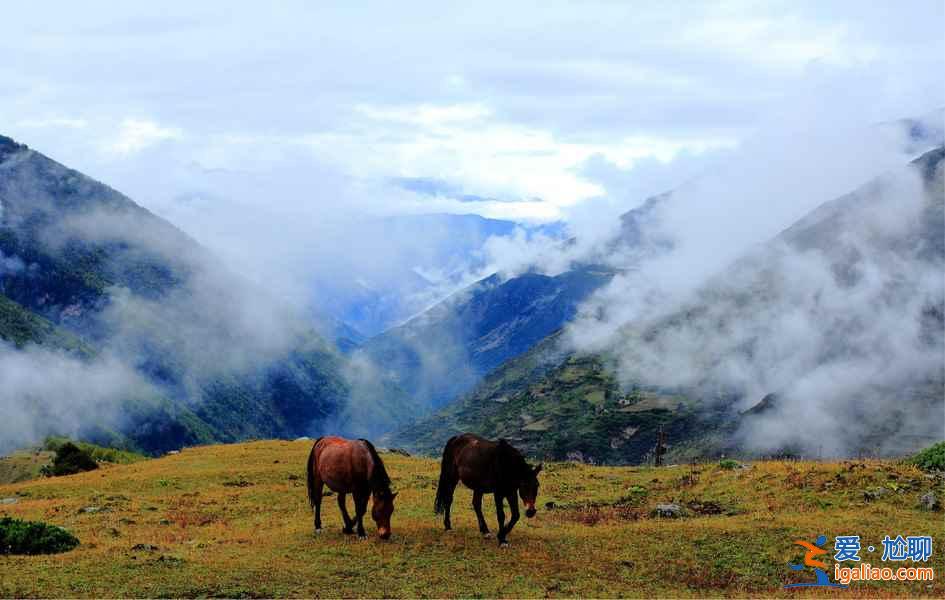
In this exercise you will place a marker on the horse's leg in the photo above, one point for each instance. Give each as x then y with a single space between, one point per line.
500 515
451 488
477 506
349 524
360 507
513 506
319 484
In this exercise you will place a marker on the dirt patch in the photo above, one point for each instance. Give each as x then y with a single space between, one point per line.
592 515
705 507
239 482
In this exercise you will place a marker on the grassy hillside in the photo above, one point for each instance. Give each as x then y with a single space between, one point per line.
27 464
234 521
571 410
24 465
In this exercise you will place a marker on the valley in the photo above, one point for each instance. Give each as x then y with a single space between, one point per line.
667 279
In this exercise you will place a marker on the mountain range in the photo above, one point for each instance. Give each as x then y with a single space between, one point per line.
827 339
405 265
118 327
445 351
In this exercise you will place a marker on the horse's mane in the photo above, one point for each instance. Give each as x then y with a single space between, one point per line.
380 480
511 461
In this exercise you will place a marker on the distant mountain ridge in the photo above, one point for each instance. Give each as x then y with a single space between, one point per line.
598 407
445 351
87 275
408 263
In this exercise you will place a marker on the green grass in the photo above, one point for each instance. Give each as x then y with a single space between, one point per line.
179 526
930 459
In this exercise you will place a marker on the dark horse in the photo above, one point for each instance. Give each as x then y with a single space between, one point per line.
350 467
485 466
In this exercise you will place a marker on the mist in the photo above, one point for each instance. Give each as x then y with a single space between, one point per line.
350 190
164 324
833 319
50 393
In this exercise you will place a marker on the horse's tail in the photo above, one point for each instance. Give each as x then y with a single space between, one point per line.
445 487
310 473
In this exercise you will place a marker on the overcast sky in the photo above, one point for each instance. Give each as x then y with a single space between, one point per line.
510 109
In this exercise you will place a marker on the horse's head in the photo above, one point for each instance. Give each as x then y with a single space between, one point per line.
381 510
528 489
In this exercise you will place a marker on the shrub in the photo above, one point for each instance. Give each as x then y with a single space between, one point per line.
70 459
930 459
30 537
728 463
99 453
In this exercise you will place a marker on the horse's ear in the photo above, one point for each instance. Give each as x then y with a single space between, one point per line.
537 469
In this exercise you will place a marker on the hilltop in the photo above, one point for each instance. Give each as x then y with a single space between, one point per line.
233 520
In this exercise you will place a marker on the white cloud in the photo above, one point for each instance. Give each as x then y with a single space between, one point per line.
53 122
426 114
135 135
308 114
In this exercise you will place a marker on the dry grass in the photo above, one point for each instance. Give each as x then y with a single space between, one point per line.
234 521
23 465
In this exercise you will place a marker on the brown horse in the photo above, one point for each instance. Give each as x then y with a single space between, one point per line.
485 466
350 467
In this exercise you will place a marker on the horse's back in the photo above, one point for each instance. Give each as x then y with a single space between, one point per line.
474 460
342 464
464 441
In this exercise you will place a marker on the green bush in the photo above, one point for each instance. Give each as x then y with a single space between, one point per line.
930 459
30 537
70 459
728 463
99 453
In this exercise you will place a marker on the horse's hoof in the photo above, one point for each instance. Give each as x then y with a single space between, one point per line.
319 531
486 534
504 544
361 538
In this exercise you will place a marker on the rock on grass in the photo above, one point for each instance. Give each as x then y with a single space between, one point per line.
669 511
929 502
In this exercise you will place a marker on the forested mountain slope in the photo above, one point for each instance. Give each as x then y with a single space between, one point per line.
117 325
828 339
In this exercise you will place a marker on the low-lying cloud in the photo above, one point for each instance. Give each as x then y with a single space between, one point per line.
46 392
833 317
